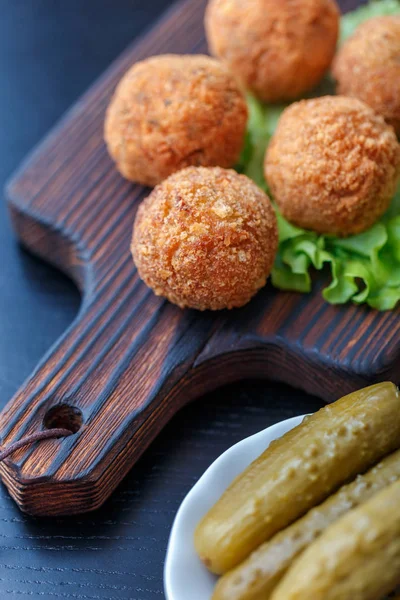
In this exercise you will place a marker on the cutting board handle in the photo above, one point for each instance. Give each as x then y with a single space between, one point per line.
115 378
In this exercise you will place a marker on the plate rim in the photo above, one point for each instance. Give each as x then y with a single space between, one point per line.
203 483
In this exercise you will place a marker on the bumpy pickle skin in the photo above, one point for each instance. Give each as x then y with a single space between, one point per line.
356 558
258 575
297 472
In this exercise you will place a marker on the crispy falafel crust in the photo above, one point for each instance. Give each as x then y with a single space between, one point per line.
332 165
368 67
205 238
276 49
171 111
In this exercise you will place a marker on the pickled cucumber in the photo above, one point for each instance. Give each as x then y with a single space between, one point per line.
257 576
298 471
356 558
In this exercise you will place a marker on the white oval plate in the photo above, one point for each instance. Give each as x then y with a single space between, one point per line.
185 577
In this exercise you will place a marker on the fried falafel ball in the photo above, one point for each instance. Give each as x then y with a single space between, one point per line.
205 238
170 112
277 49
332 165
368 67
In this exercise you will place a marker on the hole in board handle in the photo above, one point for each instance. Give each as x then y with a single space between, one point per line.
63 416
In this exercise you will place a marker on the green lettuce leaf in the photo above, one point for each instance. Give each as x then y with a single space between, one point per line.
364 268
262 123
375 8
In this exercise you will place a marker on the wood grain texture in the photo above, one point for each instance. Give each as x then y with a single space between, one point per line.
131 360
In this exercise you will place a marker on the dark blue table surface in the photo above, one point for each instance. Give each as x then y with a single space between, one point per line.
50 52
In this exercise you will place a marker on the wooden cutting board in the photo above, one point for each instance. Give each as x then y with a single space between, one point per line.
130 360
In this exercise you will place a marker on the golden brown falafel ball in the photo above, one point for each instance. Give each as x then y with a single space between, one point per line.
277 49
332 165
368 67
205 238
171 111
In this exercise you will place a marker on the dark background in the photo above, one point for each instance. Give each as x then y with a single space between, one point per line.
50 52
